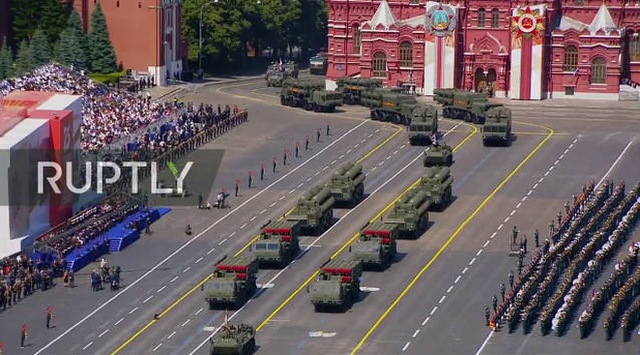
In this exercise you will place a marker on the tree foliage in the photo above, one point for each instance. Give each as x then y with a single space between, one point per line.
24 59
29 15
40 49
72 46
54 15
6 60
102 55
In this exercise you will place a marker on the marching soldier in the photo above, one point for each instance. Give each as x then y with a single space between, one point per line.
502 291
306 144
514 235
49 316
23 335
318 135
237 188
511 279
494 302
200 201
524 243
487 314
536 237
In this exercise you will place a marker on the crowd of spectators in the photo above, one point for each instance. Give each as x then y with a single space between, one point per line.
553 283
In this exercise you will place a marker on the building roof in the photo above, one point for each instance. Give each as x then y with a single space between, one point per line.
567 23
414 21
602 21
383 16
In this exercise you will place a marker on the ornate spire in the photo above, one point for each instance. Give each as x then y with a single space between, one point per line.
602 20
383 16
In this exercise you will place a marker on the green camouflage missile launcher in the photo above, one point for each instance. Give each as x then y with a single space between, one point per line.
347 185
314 210
309 94
276 79
437 182
318 65
395 108
234 340
233 282
278 243
438 154
354 89
410 213
376 246
291 69
373 98
424 124
337 285
462 104
324 101
497 126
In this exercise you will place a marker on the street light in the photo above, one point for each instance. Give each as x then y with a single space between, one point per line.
200 35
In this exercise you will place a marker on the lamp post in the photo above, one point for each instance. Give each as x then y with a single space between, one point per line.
200 35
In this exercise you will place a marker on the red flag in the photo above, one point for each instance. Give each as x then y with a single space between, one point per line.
226 317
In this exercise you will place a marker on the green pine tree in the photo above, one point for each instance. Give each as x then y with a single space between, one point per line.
6 60
54 15
70 51
103 56
81 48
26 16
24 59
40 48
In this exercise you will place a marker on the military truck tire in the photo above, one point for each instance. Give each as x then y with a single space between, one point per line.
449 161
446 112
359 192
212 306
374 115
283 101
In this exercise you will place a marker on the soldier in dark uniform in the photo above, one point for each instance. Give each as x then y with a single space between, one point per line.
487 314
328 128
49 316
502 289
514 236
559 219
200 201
494 302
567 208
511 279
524 243
306 144
318 135
237 189
536 237
23 335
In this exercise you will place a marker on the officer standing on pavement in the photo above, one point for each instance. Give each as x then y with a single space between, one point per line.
494 301
23 335
502 289
328 128
536 236
524 243
318 135
49 316
514 236
511 279
200 201
487 314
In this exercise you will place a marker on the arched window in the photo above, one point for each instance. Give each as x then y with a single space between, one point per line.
481 17
356 39
379 65
406 55
495 18
634 47
570 58
598 71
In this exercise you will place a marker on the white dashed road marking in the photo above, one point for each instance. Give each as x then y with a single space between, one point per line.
188 268
88 345
147 299
133 310
175 278
171 335
186 322
119 321
103 333
157 347
161 288
199 260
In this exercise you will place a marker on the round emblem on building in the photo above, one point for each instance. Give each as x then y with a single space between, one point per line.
441 20
527 23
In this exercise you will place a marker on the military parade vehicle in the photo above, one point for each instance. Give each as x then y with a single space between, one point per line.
337 285
314 210
291 69
310 95
376 245
410 213
347 185
437 182
395 108
234 340
438 154
373 98
424 124
497 126
318 65
277 244
233 282
353 89
462 104
276 79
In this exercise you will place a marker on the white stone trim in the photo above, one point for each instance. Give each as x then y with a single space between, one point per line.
587 96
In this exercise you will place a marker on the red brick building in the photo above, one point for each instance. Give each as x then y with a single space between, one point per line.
146 34
519 49
5 19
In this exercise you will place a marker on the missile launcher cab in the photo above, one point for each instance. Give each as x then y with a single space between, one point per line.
376 246
234 340
278 243
233 282
347 185
438 155
424 124
337 285
497 126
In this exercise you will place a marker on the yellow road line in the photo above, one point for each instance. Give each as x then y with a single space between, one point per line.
244 248
355 236
451 238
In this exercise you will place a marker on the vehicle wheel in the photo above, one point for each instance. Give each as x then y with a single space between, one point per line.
283 101
449 160
211 306
373 115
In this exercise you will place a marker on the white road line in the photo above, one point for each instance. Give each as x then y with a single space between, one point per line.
472 261
103 333
512 213
309 178
188 268
88 345
465 270
292 191
506 220
300 185
389 157
198 312
479 252
424 322
119 321
374 168
518 205
171 335
282 198
222 241
566 151
340 157
395 152
199 260
253 218
500 226
435 308
449 289
161 289
243 225
556 162
232 234
529 193
263 211
404 348
356 146
185 323
380 163
551 168
377 130
486 341
147 299
317 173
404 145
541 180
348 151
415 334
211 251
362 141
133 310
457 279
547 173
325 168
487 242
333 162
561 157
196 237
524 199
157 347
442 299
614 164
174 279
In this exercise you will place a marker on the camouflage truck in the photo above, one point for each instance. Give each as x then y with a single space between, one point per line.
318 65
309 94
234 340
373 98
424 124
437 182
337 285
291 69
462 104
354 89
376 246
276 78
395 108
438 154
410 213
347 185
278 243
233 282
272 68
314 210
324 101
497 126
